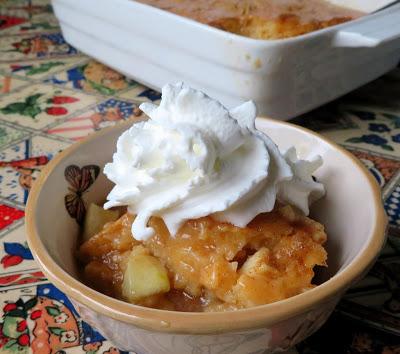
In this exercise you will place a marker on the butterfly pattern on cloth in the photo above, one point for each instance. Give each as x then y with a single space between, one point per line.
79 179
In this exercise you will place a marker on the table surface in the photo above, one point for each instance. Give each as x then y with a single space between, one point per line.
52 95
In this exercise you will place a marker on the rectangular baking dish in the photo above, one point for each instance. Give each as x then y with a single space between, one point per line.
284 77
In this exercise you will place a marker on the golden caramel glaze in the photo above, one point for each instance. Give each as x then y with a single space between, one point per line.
214 266
260 19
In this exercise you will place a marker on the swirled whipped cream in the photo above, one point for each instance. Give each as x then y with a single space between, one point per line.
194 158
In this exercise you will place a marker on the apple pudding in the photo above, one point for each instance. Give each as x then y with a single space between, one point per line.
208 265
206 213
260 19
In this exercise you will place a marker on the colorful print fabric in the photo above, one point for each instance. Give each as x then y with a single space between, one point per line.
51 95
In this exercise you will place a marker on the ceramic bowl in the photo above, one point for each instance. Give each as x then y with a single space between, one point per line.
352 213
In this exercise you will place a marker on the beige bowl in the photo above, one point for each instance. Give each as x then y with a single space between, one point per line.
352 213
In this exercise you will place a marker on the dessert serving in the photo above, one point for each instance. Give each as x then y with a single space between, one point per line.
206 213
185 270
260 19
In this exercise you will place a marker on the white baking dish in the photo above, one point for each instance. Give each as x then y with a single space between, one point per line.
284 77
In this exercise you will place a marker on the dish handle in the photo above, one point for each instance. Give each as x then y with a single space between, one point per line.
381 28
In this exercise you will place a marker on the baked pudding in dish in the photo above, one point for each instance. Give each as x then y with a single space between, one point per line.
260 19
206 213
208 265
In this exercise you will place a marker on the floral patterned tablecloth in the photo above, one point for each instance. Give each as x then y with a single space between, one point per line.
51 95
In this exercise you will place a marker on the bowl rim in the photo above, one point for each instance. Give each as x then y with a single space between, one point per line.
212 322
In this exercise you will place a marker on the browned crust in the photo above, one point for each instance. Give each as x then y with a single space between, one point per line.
287 25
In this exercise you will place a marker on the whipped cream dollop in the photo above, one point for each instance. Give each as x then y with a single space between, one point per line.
194 158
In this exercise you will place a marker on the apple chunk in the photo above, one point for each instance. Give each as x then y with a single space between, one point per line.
96 217
144 276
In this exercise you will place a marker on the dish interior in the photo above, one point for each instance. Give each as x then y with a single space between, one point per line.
260 19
